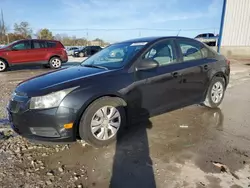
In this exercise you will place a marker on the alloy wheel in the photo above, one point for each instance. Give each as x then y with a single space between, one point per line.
2 66
56 62
217 92
105 123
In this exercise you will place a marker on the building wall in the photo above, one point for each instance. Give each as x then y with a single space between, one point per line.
236 31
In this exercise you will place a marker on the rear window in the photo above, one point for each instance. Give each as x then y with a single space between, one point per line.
51 44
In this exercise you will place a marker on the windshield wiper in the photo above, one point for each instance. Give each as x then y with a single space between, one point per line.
96 66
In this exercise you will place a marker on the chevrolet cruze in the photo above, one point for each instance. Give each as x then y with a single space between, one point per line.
96 100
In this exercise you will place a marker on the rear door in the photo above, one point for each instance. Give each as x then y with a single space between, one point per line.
20 52
196 66
39 51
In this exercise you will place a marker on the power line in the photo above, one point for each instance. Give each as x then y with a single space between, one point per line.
128 29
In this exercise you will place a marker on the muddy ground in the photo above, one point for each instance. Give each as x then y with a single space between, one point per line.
189 147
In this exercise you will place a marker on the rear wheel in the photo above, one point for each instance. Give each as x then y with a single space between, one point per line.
3 65
55 63
102 121
215 93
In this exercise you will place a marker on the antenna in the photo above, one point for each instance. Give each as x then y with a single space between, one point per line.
178 32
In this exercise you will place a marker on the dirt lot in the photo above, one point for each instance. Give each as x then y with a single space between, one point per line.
190 147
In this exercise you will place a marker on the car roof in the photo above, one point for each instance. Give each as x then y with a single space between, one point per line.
37 39
151 39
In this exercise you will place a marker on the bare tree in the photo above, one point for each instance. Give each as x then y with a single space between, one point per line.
23 29
2 29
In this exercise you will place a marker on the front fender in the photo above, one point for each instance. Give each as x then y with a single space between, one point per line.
80 99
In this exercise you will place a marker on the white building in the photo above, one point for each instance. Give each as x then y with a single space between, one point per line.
235 40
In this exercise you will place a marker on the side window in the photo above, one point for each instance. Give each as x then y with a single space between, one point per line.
207 52
36 44
190 50
204 35
210 35
39 44
43 44
162 52
51 44
25 45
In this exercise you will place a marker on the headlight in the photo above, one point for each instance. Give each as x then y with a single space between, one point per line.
49 101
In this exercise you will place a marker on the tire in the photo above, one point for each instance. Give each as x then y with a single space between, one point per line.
55 63
81 54
94 135
3 65
215 92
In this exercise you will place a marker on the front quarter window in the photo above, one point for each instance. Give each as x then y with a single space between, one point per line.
115 56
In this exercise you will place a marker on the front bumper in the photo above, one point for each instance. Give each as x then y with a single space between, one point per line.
43 125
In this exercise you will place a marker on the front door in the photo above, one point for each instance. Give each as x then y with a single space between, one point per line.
160 87
20 53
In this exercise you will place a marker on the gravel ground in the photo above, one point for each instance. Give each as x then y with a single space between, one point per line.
190 152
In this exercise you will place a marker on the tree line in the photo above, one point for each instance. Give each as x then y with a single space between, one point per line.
23 30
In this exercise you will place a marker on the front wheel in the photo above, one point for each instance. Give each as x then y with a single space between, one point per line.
215 93
55 63
102 121
3 66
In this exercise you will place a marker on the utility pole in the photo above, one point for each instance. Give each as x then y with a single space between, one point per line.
87 37
2 29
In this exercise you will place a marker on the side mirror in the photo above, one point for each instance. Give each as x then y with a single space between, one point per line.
147 64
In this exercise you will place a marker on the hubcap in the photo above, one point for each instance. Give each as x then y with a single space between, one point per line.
56 63
217 92
105 123
2 66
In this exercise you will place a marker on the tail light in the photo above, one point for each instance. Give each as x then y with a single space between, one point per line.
228 62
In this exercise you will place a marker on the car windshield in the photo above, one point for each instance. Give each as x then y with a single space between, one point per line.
115 56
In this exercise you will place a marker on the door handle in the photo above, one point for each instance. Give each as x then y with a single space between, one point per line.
205 67
175 74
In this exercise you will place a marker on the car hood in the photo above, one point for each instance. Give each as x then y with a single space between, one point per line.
54 81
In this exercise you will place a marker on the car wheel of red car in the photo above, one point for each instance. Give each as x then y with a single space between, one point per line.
3 65
55 62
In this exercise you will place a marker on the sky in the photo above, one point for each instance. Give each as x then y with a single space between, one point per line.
116 20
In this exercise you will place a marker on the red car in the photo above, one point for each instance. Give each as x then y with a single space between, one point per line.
50 53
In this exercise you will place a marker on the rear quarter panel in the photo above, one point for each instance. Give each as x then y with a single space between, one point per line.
57 51
219 67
